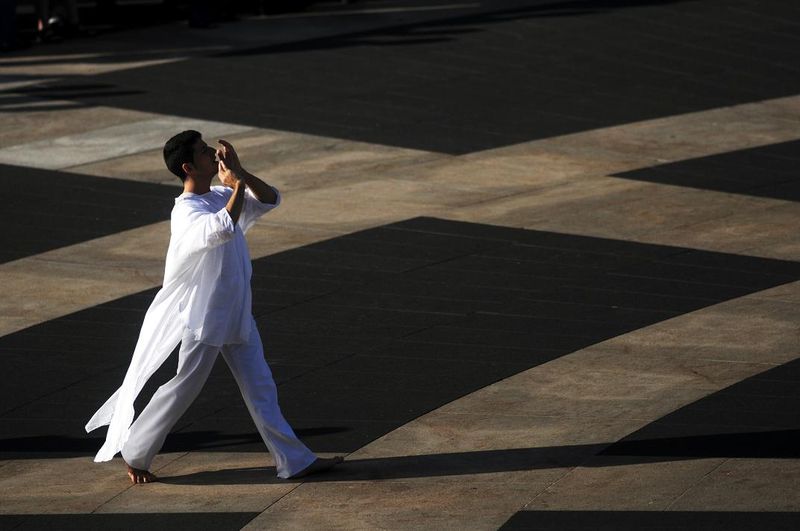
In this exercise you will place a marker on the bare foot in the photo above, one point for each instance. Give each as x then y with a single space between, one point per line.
139 476
321 464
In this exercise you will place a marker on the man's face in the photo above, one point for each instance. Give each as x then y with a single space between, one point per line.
204 162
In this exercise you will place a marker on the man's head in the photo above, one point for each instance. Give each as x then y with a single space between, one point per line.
187 155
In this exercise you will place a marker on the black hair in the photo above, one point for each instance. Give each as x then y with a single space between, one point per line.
180 149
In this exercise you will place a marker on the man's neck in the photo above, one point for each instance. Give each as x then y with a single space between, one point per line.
193 187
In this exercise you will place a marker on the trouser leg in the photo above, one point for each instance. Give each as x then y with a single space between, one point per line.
169 403
254 377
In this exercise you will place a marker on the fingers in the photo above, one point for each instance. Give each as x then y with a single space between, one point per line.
228 150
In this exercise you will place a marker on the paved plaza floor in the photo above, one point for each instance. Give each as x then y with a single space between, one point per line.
537 265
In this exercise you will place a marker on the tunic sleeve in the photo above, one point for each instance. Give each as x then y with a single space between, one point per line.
254 209
195 230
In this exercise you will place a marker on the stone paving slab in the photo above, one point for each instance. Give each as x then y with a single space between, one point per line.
44 124
498 322
107 143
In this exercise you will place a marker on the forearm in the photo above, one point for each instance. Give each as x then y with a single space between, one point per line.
264 192
236 202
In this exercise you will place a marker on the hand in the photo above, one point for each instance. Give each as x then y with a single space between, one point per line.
227 176
229 156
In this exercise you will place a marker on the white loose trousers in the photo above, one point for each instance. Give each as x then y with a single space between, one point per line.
171 400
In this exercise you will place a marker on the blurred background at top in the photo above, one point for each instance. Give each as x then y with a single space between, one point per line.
24 23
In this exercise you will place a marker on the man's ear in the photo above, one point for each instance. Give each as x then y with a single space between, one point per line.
187 167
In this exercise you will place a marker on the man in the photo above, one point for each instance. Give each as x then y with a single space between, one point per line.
205 305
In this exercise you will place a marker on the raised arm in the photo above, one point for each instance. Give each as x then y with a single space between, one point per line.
236 202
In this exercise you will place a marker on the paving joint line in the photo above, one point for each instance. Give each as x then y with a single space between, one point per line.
695 483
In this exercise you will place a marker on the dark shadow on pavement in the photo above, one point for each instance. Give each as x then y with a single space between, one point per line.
653 520
409 34
764 171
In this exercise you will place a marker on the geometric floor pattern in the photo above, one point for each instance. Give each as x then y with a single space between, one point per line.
368 331
526 273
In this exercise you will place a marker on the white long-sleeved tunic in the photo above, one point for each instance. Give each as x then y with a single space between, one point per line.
206 290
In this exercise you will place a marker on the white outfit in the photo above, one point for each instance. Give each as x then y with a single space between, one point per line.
204 304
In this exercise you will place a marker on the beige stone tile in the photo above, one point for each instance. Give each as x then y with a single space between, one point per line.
592 394
363 204
789 292
621 484
70 485
746 485
206 482
289 161
609 207
474 501
295 161
147 166
108 142
271 235
767 229
583 154
87 64
746 330
65 280
783 250
26 127
704 370
550 436
50 289
679 137
496 179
